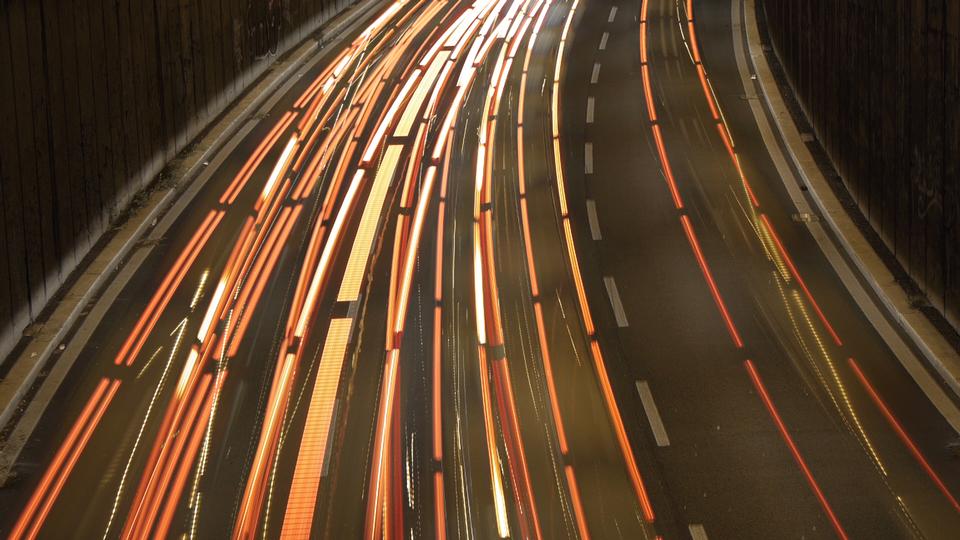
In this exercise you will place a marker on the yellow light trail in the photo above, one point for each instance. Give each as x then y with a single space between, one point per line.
298 518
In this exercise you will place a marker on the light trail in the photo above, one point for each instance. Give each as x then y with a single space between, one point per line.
694 243
569 473
485 265
708 276
33 516
272 216
349 288
376 502
777 251
131 348
775 415
485 295
440 522
311 461
903 435
613 410
258 253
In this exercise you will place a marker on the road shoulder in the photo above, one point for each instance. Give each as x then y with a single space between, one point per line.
925 337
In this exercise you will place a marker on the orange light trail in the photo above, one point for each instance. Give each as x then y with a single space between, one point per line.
796 275
577 505
46 493
131 348
902 434
705 268
183 469
599 365
771 408
298 517
439 502
241 179
258 251
195 420
484 228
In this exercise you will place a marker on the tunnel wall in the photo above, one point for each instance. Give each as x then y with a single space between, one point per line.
95 97
879 81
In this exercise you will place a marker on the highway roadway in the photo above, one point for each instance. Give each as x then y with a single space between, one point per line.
493 268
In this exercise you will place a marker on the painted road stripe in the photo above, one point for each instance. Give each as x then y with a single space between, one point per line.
697 532
592 219
596 73
614 296
590 103
656 424
588 158
603 41
613 14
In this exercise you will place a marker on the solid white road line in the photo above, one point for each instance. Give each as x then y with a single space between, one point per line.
592 219
588 158
590 103
614 296
653 416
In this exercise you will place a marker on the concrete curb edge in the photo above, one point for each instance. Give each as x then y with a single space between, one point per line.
924 336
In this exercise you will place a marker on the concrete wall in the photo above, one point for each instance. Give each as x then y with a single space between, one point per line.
879 80
95 96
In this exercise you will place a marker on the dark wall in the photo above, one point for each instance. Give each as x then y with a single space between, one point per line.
880 82
95 96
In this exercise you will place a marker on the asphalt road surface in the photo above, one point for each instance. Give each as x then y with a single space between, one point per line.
515 268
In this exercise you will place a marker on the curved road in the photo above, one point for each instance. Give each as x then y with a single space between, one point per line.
501 268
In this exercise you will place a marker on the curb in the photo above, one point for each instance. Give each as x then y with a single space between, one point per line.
938 353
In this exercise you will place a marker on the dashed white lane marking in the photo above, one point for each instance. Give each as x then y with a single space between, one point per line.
656 424
614 296
697 532
588 158
603 41
592 219
613 14
590 103
596 74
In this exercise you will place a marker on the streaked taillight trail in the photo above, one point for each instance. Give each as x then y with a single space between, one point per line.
298 517
785 274
543 342
374 136
239 286
382 504
613 411
687 224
